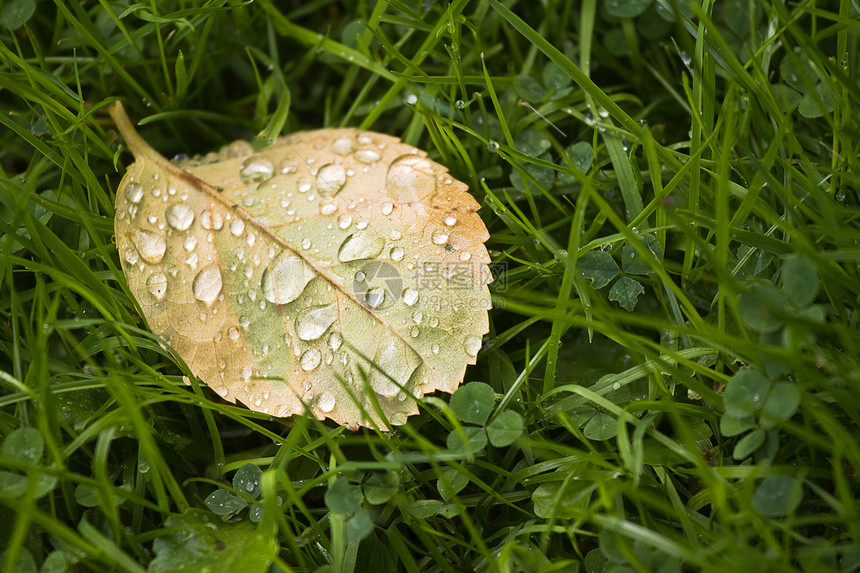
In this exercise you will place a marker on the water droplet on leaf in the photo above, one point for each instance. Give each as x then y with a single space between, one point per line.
310 359
133 193
410 296
156 283
179 216
472 345
360 245
256 170
285 278
312 323
207 284
374 297
331 178
326 402
151 246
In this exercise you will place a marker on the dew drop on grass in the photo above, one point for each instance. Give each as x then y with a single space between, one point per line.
397 254
450 219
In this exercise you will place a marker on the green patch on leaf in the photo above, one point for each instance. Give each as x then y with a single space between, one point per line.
777 496
626 292
633 263
424 508
381 487
746 392
225 503
800 280
473 402
343 497
506 427
748 444
476 440
601 427
194 541
550 501
599 266
247 480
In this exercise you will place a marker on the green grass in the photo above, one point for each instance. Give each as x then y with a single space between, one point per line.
707 161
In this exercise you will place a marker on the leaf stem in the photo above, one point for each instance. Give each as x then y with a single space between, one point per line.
136 144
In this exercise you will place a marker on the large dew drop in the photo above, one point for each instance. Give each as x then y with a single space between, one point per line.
286 278
366 156
156 284
211 220
392 367
312 323
326 402
310 359
343 146
410 296
151 246
179 216
410 178
134 193
360 245
256 169
472 345
207 284
330 179
374 297
439 237
237 227
335 339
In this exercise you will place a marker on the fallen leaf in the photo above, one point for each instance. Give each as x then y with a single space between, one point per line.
333 271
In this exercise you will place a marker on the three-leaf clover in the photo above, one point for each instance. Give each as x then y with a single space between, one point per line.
601 268
246 482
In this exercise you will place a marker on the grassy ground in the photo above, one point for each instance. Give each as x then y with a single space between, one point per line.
673 203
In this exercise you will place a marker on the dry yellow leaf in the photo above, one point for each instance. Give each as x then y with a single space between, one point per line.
336 271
